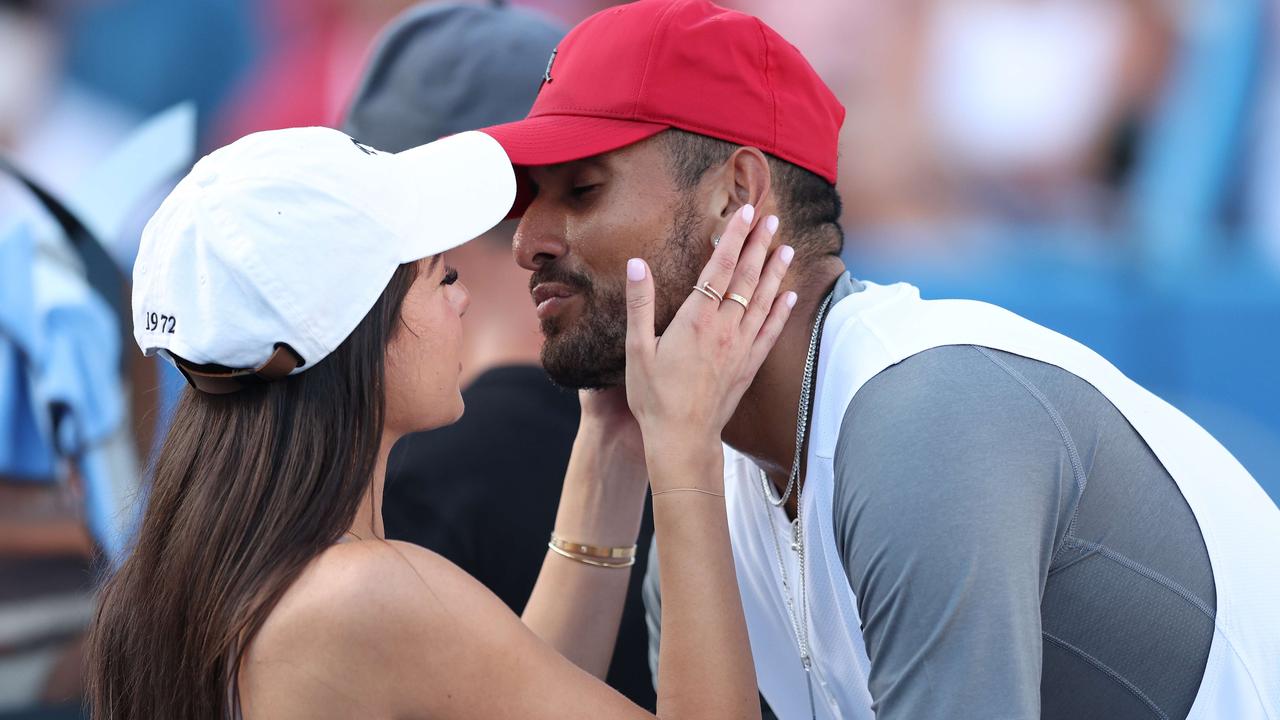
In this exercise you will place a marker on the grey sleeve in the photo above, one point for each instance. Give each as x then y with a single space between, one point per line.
652 594
952 483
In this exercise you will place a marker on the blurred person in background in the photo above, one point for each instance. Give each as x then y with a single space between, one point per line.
970 116
53 131
482 492
938 509
311 65
150 55
1264 200
50 126
1034 108
567 11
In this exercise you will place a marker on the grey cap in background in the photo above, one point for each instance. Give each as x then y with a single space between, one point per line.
441 69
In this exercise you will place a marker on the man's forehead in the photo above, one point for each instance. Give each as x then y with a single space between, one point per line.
568 168
628 157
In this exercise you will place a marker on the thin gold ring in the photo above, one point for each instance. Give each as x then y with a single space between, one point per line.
706 289
735 297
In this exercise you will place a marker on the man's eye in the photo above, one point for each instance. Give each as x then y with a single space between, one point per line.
450 276
580 190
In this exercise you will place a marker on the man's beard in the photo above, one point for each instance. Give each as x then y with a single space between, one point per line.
590 353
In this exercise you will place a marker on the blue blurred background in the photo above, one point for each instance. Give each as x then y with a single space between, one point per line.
1107 168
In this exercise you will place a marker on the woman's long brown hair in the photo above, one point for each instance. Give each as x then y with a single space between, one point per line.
246 490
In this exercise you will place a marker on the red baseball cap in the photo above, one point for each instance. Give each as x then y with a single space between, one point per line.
632 71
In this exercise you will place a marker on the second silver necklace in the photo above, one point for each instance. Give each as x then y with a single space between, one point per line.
799 621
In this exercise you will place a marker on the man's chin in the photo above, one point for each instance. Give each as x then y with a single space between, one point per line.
584 345
574 366
580 378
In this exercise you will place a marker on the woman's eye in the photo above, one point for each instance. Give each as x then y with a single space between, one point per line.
450 276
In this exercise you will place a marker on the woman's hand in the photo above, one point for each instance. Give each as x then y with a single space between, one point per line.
684 387
605 413
609 439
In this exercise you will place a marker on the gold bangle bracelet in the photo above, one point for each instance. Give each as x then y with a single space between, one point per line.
692 490
606 553
588 561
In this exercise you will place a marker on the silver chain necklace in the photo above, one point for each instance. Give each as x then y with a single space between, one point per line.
799 621
802 414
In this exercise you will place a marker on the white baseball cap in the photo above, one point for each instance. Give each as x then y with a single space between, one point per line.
284 240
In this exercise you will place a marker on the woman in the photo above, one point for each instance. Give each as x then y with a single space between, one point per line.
261 584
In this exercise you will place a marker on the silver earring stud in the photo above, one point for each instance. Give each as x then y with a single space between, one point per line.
715 241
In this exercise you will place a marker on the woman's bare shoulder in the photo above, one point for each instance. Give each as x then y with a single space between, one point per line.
363 621
372 589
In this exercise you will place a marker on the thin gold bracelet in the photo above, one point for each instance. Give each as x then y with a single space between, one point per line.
694 490
605 553
588 561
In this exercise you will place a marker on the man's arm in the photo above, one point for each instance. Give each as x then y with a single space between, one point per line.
952 486
652 594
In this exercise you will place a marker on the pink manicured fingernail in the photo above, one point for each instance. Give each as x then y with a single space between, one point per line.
748 212
786 252
635 269
789 299
771 224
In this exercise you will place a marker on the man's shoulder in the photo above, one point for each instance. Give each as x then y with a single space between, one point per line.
965 387
956 425
944 369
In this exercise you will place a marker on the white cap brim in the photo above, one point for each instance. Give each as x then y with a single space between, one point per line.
460 187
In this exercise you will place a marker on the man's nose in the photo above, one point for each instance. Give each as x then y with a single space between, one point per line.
536 241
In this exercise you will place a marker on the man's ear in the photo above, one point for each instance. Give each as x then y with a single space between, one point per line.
745 178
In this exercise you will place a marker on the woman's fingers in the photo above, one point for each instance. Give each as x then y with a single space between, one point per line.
724 259
750 264
640 333
770 331
766 291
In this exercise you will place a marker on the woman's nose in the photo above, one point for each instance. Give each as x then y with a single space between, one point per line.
465 301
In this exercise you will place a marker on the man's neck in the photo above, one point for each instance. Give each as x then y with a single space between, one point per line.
764 426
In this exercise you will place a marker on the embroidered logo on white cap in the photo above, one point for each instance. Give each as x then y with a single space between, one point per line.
290 236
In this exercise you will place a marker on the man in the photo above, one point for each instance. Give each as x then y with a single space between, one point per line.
938 509
484 492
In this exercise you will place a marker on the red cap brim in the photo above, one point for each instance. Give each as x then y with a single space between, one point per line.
555 139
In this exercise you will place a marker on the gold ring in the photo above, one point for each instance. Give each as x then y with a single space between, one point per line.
706 289
735 297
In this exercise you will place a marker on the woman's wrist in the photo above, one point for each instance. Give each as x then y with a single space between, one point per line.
602 500
686 462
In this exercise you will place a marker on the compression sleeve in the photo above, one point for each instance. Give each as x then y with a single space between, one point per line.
952 483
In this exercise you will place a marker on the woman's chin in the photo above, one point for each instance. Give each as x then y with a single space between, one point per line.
443 418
